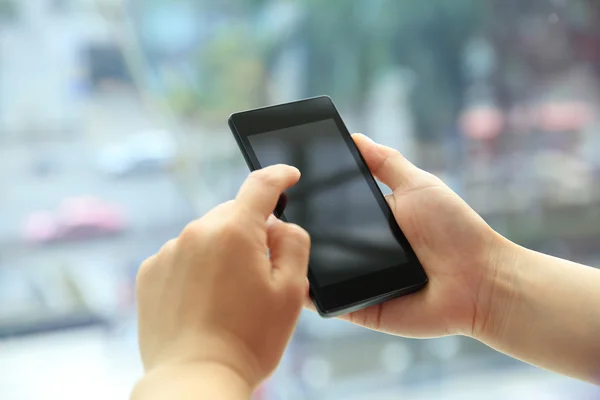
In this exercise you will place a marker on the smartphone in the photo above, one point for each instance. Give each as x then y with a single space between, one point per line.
359 255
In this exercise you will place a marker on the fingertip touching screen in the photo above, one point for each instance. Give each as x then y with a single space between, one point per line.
351 235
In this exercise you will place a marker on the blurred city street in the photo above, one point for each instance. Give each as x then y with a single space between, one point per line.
152 203
44 162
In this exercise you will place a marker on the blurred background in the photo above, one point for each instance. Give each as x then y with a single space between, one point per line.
113 135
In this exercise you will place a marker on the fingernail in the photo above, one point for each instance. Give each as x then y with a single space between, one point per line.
365 137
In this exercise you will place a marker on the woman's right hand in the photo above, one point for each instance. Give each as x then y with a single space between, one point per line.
458 250
537 308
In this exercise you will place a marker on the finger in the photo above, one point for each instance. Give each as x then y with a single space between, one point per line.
262 189
309 304
289 247
391 200
387 164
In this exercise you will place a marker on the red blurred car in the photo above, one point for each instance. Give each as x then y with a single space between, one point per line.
75 218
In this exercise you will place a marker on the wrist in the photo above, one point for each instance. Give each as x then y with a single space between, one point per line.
192 380
498 291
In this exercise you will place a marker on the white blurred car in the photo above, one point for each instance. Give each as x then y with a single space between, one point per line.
143 152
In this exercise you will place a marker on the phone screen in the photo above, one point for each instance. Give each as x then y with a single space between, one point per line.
351 236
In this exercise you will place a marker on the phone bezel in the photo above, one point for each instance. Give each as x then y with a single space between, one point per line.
335 299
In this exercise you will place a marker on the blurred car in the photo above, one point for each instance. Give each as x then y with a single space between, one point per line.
143 152
75 218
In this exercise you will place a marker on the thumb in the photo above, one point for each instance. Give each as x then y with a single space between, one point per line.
387 165
289 247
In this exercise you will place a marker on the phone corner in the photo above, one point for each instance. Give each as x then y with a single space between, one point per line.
230 120
234 130
328 315
425 279
320 310
326 97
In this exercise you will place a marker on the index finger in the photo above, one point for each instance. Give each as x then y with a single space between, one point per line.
262 189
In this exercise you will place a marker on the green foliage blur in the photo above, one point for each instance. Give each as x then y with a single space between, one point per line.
347 43
8 10
347 46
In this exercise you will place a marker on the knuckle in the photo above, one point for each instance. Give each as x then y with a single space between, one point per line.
394 157
192 233
396 154
221 209
227 228
148 266
144 272
428 179
169 246
207 226
299 234
264 177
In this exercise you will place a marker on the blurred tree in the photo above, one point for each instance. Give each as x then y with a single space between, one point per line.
337 47
219 71
538 39
350 43
230 73
430 39
347 46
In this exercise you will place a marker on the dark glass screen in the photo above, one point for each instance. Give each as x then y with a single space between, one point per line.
351 235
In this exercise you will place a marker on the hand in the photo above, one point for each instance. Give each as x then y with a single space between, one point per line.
213 297
456 247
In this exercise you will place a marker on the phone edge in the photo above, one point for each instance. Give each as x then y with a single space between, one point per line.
239 142
372 301
322 96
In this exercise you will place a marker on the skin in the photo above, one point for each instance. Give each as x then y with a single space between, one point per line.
215 313
451 241
537 308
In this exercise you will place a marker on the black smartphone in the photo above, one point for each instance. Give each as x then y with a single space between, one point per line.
359 255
